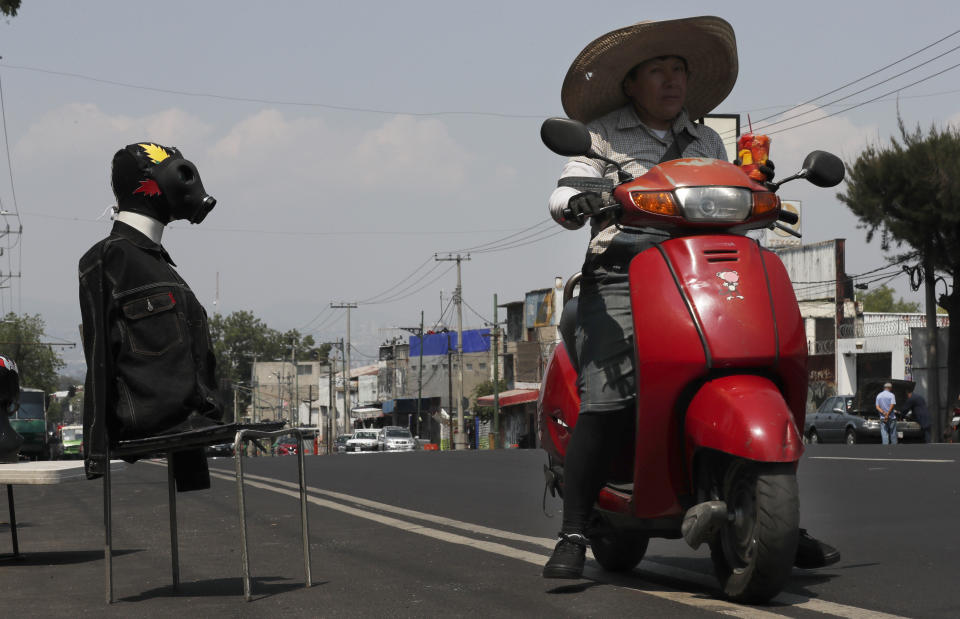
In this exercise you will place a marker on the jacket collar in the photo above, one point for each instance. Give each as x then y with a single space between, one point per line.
135 237
629 120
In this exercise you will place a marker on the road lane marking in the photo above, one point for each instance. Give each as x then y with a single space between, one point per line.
687 598
879 459
682 597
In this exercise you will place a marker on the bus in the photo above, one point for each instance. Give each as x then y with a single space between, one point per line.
71 437
30 422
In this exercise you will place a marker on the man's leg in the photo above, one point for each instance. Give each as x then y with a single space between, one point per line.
884 433
893 431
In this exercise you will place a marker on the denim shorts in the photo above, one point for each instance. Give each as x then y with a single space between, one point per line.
607 381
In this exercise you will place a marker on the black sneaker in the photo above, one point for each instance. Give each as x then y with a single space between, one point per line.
567 558
812 553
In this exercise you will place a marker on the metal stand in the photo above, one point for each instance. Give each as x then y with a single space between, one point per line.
13 524
158 446
238 448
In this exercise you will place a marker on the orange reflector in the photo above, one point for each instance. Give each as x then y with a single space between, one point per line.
659 202
764 202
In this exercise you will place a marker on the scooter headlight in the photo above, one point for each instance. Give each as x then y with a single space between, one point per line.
715 204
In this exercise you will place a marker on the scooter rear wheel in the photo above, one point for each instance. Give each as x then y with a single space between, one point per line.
753 553
616 550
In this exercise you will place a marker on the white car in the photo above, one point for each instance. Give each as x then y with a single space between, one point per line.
363 440
395 438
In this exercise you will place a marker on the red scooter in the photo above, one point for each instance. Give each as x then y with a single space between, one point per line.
721 356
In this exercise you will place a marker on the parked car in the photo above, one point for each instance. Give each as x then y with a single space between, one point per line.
220 450
286 446
364 440
396 438
340 443
854 418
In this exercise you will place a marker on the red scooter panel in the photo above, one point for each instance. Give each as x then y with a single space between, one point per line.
670 356
745 416
559 403
725 280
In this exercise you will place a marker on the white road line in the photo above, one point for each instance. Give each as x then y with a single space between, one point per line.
879 459
690 599
682 597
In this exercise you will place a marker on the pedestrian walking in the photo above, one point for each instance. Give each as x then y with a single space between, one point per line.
888 418
916 403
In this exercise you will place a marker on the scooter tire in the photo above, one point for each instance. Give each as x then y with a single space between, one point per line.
618 552
753 554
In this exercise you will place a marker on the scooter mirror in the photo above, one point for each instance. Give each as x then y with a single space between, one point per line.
566 136
823 169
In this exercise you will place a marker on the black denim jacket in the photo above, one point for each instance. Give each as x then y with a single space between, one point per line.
150 362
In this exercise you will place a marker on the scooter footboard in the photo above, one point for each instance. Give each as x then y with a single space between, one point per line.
744 416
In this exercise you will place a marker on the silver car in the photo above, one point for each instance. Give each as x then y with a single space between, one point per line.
395 438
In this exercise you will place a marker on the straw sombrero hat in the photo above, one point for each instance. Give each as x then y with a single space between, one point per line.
592 86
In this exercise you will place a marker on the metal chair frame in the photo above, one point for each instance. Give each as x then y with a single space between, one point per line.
172 444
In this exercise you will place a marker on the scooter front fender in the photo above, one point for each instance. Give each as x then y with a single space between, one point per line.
745 416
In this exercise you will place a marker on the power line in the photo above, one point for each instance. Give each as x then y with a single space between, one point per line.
278 102
860 79
929 77
477 314
845 97
410 293
391 288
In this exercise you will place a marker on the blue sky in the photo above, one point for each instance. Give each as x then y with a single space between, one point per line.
417 133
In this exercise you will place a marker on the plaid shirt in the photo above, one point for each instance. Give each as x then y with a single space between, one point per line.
622 137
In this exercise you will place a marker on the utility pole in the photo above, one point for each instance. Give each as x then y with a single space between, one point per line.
331 411
418 333
296 382
346 354
450 391
495 438
458 299
933 358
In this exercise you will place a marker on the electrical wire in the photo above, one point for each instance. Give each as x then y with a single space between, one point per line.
860 79
422 264
502 239
764 127
478 315
541 236
847 109
277 102
410 293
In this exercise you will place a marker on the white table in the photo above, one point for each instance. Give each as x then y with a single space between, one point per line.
41 473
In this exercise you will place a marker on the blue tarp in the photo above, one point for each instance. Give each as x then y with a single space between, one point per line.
474 340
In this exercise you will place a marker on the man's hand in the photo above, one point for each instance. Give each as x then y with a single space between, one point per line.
583 205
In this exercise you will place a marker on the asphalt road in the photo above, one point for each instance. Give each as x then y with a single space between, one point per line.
464 534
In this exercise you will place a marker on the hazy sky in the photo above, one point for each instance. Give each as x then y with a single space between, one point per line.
348 142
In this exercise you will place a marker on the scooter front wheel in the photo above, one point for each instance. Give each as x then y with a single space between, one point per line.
754 551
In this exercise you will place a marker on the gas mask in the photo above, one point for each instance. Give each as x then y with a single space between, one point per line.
158 182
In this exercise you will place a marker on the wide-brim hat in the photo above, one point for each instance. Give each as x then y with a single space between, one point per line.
593 88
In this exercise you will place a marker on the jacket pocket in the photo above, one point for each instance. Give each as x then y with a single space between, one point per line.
152 325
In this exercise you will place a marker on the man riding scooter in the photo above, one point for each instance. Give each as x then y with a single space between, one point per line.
637 89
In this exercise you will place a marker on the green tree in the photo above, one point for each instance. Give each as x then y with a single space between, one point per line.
909 193
881 300
241 337
9 7
21 339
486 388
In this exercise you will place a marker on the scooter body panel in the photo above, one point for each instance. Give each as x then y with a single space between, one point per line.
745 416
558 405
